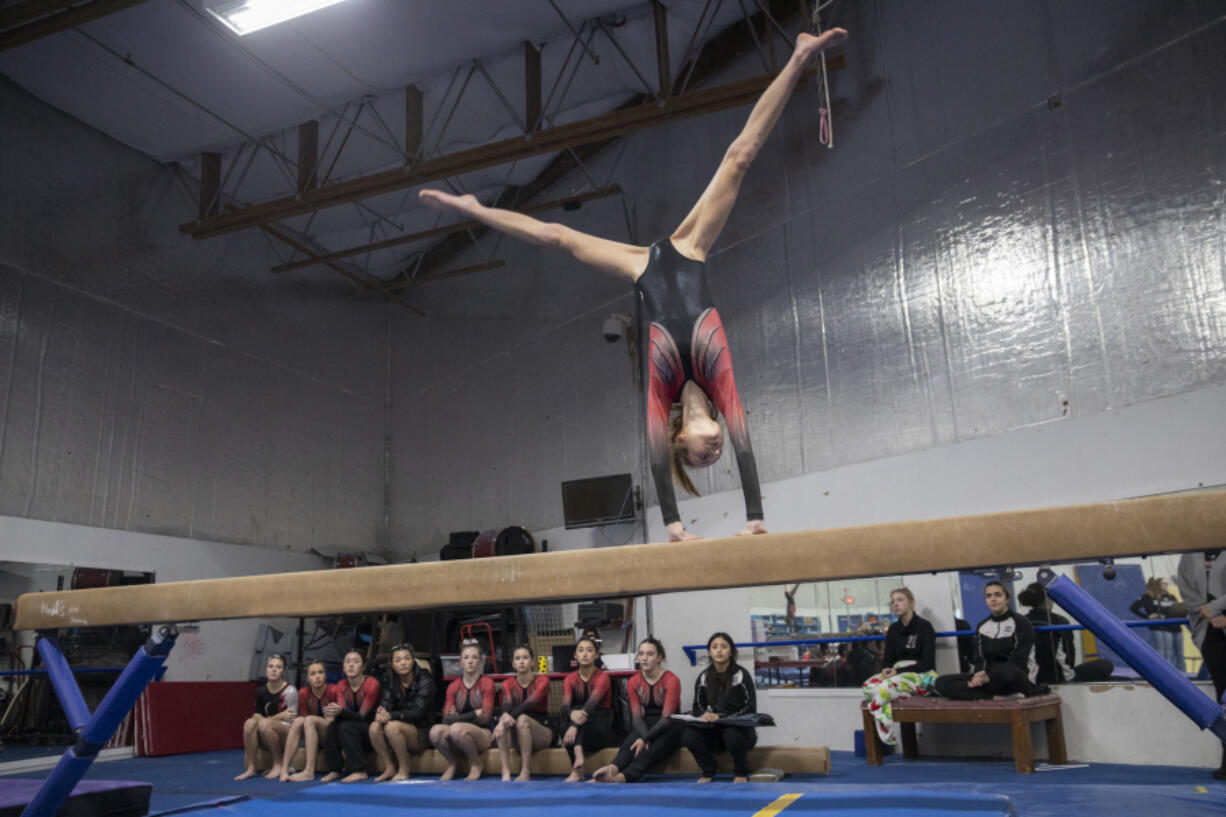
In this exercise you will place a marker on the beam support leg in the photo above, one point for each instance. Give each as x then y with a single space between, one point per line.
98 730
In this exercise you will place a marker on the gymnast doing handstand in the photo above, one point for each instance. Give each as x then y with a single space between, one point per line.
688 363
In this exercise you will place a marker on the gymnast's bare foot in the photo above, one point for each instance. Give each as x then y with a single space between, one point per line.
329 777
608 774
524 776
387 775
506 776
272 774
475 771
808 46
704 780
400 776
448 773
302 777
575 776
445 201
355 777
248 772
740 780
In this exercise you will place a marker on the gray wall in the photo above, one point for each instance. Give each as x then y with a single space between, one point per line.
155 384
976 255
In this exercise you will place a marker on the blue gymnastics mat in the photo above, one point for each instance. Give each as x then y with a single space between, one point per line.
496 799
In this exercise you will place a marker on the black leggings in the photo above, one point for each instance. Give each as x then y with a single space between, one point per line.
662 747
704 743
345 744
1003 679
592 736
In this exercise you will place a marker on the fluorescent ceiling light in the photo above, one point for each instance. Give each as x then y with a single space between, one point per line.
245 16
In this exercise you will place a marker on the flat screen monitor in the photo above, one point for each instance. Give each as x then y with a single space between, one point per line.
598 501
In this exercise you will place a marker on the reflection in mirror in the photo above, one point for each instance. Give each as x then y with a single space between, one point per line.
833 633
31 721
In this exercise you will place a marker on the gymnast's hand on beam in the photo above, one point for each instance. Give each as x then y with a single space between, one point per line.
752 527
676 533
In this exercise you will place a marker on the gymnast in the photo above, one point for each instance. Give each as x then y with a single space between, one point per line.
275 703
586 713
346 738
654 695
689 364
723 690
1004 654
404 713
466 714
310 723
524 721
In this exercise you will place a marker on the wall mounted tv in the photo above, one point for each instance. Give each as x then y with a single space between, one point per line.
598 501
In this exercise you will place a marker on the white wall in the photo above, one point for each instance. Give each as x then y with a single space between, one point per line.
221 650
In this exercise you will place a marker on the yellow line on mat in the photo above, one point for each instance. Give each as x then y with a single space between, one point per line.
779 805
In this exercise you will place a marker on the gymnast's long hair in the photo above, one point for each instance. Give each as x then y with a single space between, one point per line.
676 460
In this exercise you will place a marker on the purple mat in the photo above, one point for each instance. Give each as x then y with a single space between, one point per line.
90 798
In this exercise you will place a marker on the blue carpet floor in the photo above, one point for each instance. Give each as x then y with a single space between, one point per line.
1100 789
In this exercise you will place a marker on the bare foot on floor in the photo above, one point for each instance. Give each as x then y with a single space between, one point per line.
506 777
704 780
329 777
740 780
448 773
445 201
524 777
302 777
400 776
272 774
249 772
474 773
387 775
355 777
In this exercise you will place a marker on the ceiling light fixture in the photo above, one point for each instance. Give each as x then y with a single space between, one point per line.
245 16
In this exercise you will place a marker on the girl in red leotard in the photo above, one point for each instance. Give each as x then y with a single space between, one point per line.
688 363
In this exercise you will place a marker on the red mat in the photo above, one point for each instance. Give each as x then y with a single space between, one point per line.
177 717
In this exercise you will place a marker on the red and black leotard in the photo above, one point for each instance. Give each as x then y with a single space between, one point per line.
532 700
462 703
595 695
651 705
687 342
309 704
359 705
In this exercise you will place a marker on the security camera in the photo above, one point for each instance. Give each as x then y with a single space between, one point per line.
615 326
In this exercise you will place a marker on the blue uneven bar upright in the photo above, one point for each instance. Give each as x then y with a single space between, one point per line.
1140 656
97 730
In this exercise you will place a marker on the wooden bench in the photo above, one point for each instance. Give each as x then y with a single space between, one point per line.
554 761
1017 712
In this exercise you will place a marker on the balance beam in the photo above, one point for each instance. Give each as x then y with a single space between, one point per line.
1167 523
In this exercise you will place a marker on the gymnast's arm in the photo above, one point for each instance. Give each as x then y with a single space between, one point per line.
714 373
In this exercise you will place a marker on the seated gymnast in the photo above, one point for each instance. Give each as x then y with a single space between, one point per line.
655 696
276 701
723 689
908 664
1004 661
404 714
310 723
1055 652
586 715
689 368
467 708
346 739
524 722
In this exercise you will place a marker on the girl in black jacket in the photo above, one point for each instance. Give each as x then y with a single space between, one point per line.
723 689
404 715
1004 654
